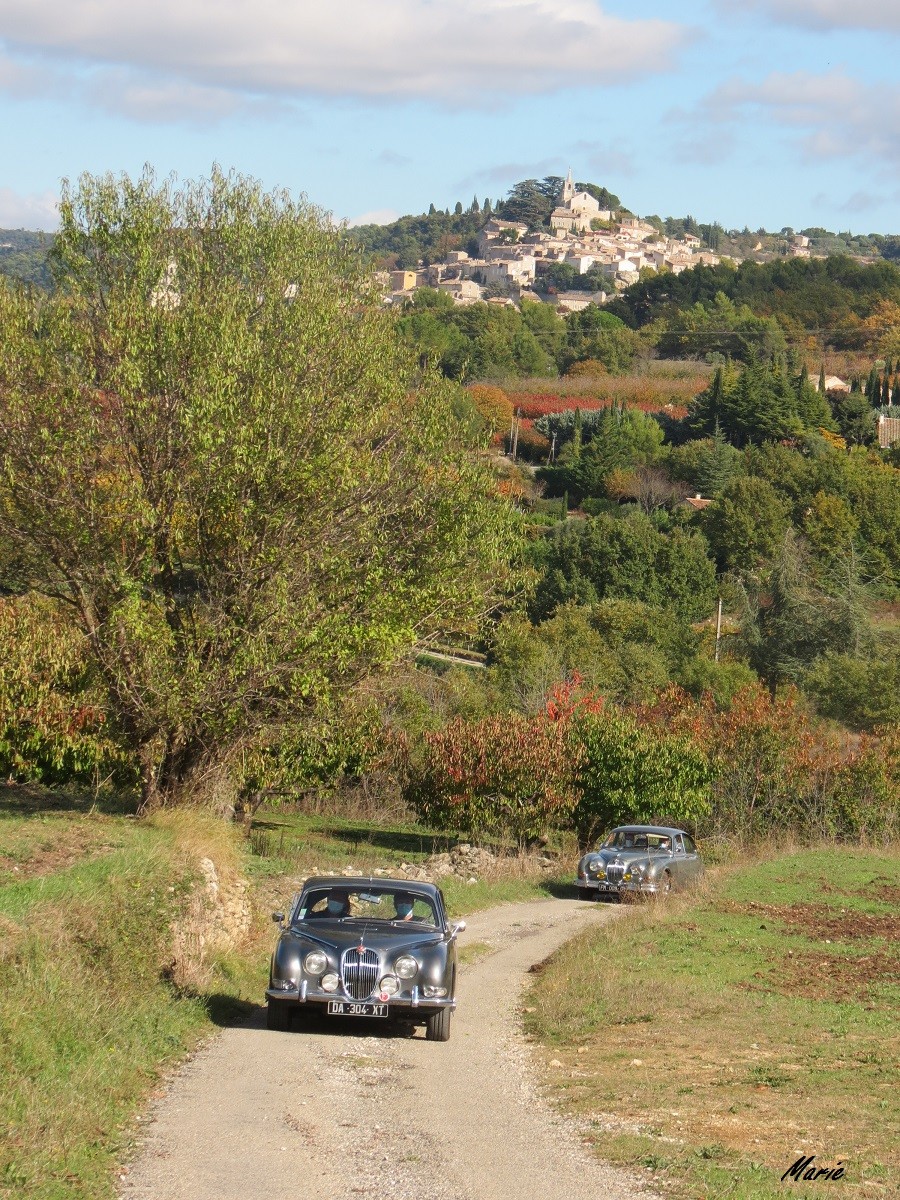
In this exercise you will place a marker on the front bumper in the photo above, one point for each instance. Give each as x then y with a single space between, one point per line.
605 888
414 1002
599 885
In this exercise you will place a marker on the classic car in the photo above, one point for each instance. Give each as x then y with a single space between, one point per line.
648 859
365 947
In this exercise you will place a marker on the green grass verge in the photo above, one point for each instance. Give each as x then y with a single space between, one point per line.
88 1018
715 1041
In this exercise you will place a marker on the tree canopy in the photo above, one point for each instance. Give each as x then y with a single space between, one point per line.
218 457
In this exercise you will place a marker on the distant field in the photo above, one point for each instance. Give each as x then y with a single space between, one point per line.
715 1042
656 386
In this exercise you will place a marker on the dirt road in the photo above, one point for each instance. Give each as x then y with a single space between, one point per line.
334 1110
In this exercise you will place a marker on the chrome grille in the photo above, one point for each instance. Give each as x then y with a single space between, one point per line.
614 872
359 972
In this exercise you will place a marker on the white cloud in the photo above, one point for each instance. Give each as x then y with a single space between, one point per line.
833 115
881 15
378 216
35 211
456 51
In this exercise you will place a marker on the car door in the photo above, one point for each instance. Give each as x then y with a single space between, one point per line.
679 861
692 860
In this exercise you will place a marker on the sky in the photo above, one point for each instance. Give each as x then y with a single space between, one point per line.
764 113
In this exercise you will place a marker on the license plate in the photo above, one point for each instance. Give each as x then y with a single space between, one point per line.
349 1008
607 887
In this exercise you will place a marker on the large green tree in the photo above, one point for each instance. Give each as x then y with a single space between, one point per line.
218 456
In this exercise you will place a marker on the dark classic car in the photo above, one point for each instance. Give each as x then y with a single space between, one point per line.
361 947
649 859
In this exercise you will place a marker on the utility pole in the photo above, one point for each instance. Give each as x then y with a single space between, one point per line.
515 434
718 627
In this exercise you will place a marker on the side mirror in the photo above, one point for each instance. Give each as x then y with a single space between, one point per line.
278 918
459 927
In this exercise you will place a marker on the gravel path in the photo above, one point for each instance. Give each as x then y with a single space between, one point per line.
339 1109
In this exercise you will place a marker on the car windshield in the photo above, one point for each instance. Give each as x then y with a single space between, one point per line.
637 839
389 904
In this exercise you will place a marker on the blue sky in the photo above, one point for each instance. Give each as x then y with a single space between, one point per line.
763 112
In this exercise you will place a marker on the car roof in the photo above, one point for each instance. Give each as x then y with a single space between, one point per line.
667 830
355 883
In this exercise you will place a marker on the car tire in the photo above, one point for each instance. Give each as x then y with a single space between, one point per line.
278 1016
437 1026
665 886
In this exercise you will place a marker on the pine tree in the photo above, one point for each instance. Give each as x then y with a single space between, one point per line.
458 209
716 464
431 210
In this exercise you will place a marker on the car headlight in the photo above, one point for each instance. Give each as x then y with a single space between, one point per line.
406 967
315 963
329 982
389 985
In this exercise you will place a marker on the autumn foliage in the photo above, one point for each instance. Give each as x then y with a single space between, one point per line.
757 768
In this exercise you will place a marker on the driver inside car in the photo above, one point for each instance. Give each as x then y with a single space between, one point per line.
403 904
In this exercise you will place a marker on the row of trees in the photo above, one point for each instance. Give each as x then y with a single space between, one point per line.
586 765
479 341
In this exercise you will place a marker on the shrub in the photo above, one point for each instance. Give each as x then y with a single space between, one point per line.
493 405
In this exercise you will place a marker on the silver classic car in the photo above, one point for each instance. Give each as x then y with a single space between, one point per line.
649 859
363 947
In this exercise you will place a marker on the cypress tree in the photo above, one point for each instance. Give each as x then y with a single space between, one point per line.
895 398
886 390
822 381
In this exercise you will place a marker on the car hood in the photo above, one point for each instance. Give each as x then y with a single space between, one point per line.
346 935
625 856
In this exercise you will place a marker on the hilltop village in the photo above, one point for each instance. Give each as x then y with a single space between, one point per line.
513 261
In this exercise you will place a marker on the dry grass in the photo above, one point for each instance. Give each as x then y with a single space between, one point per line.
696 1041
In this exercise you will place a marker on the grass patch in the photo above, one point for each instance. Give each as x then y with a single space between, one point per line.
286 847
714 1041
89 1015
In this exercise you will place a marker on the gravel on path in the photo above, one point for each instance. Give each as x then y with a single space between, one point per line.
340 1109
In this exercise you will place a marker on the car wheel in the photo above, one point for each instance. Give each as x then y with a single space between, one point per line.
437 1027
665 885
278 1016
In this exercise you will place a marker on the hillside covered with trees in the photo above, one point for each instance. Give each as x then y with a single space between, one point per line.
240 499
